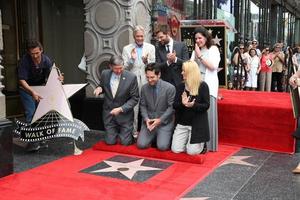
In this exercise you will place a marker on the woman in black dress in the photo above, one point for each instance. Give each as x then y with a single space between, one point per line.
191 105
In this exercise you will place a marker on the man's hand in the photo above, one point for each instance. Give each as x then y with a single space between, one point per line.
133 54
98 91
145 59
171 57
153 124
116 111
294 81
148 123
61 78
36 96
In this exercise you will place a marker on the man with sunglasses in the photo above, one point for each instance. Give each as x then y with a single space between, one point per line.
255 46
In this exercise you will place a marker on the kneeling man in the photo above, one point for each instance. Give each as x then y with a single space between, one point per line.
156 105
121 95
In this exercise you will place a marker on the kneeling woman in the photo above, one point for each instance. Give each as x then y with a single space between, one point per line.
191 105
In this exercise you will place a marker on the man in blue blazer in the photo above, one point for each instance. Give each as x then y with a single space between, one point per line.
121 95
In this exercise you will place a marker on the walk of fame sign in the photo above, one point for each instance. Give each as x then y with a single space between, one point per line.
53 117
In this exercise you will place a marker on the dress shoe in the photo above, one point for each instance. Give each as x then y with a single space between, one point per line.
135 134
43 144
33 146
296 170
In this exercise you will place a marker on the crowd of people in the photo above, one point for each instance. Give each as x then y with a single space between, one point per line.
264 70
176 95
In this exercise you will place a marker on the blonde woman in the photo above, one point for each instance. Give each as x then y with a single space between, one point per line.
191 105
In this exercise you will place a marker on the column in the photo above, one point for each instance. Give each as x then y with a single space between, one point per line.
276 28
297 31
109 27
6 158
32 19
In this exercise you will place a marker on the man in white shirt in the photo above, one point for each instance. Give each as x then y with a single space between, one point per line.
136 56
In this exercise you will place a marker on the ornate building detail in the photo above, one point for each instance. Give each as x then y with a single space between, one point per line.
2 97
108 28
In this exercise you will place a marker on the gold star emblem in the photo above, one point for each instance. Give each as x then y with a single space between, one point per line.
127 169
238 160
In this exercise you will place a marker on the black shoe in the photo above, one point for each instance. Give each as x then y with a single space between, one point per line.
33 146
43 144
204 149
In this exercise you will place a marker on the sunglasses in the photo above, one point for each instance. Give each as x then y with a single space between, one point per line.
267 49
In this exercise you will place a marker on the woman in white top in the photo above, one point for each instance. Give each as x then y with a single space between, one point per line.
253 71
207 56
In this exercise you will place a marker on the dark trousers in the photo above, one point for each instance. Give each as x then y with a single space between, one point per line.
277 81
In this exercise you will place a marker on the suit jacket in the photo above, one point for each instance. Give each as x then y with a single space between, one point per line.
127 96
163 107
138 67
172 73
198 113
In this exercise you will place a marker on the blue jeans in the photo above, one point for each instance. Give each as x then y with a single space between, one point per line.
29 105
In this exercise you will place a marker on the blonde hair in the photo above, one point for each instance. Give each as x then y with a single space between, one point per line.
193 76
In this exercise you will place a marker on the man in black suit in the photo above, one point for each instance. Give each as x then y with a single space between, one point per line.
170 55
121 95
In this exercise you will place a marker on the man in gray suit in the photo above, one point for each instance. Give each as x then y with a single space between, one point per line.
157 110
121 95
136 56
170 54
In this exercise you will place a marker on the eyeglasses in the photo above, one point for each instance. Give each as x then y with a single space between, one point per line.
241 48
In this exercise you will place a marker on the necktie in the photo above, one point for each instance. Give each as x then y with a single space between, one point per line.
167 48
154 92
115 85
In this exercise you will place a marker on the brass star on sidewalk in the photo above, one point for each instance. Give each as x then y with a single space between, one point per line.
54 96
238 160
127 169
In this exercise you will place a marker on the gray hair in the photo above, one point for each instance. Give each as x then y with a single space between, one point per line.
138 28
116 60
